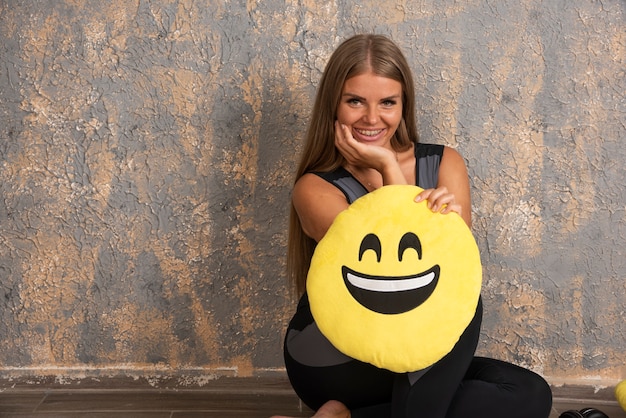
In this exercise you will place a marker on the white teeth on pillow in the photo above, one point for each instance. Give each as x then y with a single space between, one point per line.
391 285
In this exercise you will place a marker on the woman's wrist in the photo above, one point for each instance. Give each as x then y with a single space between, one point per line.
392 174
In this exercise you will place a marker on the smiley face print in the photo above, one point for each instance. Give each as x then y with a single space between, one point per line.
394 284
391 294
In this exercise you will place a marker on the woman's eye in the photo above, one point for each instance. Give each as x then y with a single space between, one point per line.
389 103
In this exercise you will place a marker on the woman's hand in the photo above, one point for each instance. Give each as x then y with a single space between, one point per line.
440 200
362 155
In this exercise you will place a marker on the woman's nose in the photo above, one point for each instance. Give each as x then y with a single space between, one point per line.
371 115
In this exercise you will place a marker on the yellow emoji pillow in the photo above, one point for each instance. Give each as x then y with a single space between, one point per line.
394 284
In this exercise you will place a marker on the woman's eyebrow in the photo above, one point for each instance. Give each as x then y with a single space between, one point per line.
356 96
347 94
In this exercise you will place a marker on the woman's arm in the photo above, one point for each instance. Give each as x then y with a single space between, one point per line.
453 191
317 203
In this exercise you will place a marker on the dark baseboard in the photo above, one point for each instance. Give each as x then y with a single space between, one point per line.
583 393
201 387
274 382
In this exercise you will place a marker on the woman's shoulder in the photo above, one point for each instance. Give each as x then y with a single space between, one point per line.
316 202
452 162
312 184
452 154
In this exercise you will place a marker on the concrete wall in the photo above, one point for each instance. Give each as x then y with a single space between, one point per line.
147 151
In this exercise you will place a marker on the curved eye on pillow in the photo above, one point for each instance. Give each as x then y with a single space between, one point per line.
394 284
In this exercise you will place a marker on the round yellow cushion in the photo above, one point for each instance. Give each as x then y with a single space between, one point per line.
394 284
620 394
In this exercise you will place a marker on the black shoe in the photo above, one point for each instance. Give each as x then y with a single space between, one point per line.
593 413
584 413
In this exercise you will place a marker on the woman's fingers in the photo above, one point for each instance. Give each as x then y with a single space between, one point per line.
439 200
343 138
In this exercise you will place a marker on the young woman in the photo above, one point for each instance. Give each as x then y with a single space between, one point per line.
362 136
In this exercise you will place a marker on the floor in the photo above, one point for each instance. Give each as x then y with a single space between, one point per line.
258 398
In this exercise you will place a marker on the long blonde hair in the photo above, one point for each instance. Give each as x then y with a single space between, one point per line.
355 56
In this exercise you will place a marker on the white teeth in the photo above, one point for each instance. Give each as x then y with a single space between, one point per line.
391 285
369 133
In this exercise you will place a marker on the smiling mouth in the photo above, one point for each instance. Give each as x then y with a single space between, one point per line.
369 132
388 294
368 135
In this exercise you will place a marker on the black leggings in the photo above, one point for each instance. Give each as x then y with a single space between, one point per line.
459 385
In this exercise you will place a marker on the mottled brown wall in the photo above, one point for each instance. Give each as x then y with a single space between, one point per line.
147 150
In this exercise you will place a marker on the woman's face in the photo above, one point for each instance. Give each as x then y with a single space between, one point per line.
371 106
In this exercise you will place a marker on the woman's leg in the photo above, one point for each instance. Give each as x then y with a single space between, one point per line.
496 389
461 385
355 384
430 395
319 372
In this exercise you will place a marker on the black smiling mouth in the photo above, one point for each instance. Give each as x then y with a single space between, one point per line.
391 295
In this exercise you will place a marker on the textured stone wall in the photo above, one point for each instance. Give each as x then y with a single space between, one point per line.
147 150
